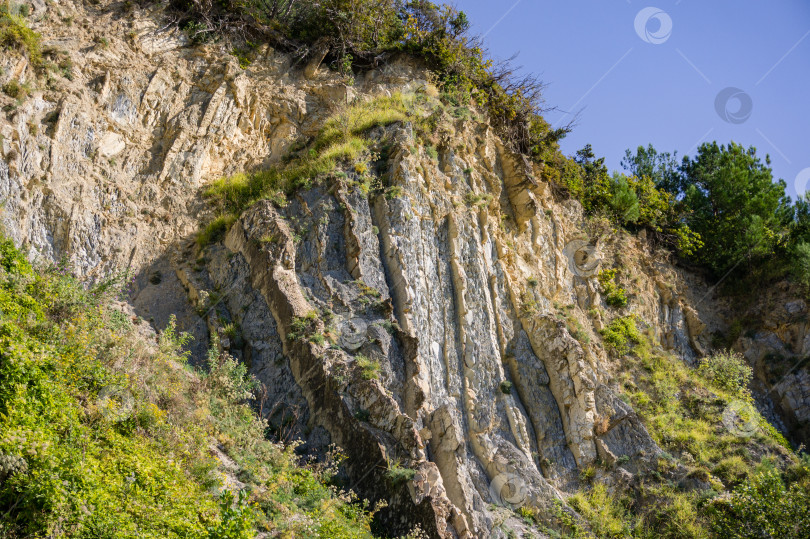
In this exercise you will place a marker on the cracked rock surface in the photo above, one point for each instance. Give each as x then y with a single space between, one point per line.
453 288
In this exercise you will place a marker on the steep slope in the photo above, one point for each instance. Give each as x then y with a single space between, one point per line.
105 431
401 284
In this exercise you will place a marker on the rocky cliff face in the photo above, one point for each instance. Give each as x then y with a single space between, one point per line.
448 326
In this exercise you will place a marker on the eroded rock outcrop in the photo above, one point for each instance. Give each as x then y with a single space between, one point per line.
448 326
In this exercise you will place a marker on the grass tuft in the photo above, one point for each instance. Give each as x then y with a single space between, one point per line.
369 367
215 230
341 141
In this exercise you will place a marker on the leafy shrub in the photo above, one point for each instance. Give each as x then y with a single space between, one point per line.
100 436
506 387
14 89
615 296
393 192
620 334
476 199
800 266
228 377
237 518
398 474
634 202
14 32
727 370
764 506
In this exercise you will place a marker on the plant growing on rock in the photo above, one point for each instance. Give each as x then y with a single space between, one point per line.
14 32
615 296
103 433
393 192
727 370
14 89
620 334
342 140
765 506
397 473
215 230
305 328
369 367
476 199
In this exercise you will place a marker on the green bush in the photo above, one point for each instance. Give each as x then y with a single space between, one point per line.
800 266
727 370
237 518
303 327
15 33
102 436
14 89
398 474
608 514
764 506
615 296
620 334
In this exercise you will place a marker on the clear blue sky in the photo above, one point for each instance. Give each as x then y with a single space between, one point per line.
632 92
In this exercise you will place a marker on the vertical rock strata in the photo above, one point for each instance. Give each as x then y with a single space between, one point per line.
453 284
